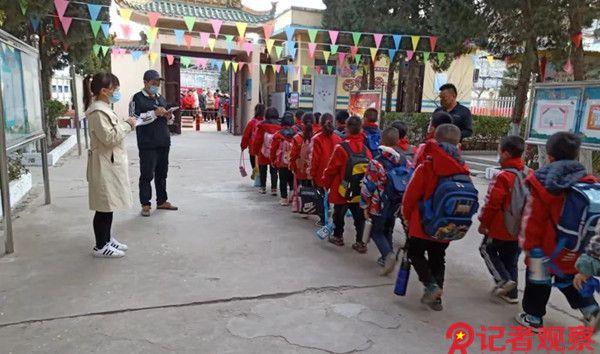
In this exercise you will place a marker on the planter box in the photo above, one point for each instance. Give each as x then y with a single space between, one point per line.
19 189
35 159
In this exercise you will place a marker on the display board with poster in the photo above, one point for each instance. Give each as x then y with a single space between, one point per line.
359 101
573 106
325 96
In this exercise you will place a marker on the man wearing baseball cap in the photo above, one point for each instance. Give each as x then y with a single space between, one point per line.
154 141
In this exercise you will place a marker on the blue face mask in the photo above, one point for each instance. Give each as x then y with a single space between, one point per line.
154 90
116 97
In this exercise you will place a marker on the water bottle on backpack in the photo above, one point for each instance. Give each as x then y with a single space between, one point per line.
403 275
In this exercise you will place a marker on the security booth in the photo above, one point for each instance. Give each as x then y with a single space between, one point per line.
22 117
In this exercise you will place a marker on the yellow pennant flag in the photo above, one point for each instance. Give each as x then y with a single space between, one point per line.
415 41
373 54
490 59
152 32
270 43
305 69
227 63
211 44
153 57
326 56
125 13
241 27
235 66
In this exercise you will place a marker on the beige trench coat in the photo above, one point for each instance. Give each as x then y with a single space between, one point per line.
108 166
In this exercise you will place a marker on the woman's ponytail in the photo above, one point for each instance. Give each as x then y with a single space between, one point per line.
87 91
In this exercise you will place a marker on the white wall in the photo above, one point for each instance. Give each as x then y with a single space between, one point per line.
130 74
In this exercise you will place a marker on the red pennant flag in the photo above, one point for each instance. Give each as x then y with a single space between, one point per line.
311 49
568 67
353 51
268 29
432 42
126 29
153 18
188 40
170 59
56 21
577 38
61 7
66 23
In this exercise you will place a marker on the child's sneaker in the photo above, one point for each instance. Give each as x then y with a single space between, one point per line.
107 251
432 294
338 241
529 321
381 261
436 305
593 320
274 192
360 247
389 264
263 191
118 245
504 288
510 300
284 202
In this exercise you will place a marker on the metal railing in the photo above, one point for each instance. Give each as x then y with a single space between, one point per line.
501 107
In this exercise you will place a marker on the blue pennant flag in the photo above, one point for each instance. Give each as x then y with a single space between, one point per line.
136 54
289 32
94 10
397 40
219 64
286 68
179 36
392 54
106 29
291 48
35 23
229 46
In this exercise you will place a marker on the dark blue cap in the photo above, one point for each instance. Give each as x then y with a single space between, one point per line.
152 75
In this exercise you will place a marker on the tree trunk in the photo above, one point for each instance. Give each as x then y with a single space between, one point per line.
372 74
364 81
412 86
389 88
400 88
575 12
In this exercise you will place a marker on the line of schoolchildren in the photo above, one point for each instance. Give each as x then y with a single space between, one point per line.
378 176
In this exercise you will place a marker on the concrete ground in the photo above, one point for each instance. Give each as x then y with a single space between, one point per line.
231 272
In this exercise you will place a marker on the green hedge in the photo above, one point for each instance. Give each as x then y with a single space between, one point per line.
487 130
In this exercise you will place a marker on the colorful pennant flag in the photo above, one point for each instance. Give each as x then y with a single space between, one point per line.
189 22
392 53
373 54
211 44
329 69
356 38
409 55
311 50
326 56
333 35
291 48
353 51
441 56
204 38
106 29
268 30
96 49
227 63
66 23
270 43
334 48
425 57
136 55
152 33
23 4
185 61
94 11
397 40
35 23
153 56
474 59
125 13
126 29
263 68
432 42
153 18
342 57
277 68
289 32
286 68
278 50
377 37
248 48
105 49
188 40
312 34
95 27
358 58
241 27
219 64
229 43
305 69
568 67
216 26
170 59
61 7
576 38
179 36
415 41
490 59
235 66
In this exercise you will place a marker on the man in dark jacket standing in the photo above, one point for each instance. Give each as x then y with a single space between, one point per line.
461 115
154 141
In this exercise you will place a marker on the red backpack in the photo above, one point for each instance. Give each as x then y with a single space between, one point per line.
283 153
303 161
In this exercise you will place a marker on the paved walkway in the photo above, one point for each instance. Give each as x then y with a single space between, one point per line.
231 272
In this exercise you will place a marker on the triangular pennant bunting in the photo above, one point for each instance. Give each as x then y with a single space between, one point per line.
94 10
35 23
241 27
188 40
61 7
268 30
66 23
358 58
235 66
326 56
577 38
204 38
219 64
432 42
170 59
312 34
277 68
248 48
270 43
95 27
311 49
23 5
356 38
263 68
409 55
106 30
415 41
189 22
211 44
227 63
333 35
179 36
126 29
425 57
289 33
353 51
377 37
286 68
152 33
342 57
334 48
392 53
474 59
96 49
305 69
329 69
373 53
291 48
153 18
229 46
278 50
136 55
125 13
441 57
490 59
216 25
397 40
185 61
153 56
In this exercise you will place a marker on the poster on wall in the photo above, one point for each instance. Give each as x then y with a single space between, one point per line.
590 122
325 96
359 101
554 110
307 86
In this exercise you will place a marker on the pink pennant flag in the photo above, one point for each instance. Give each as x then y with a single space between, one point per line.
204 38
250 67
241 65
198 62
409 55
216 25
66 23
277 67
268 29
311 49
342 57
188 40
248 48
153 18
432 42
61 7
299 69
377 37
333 35
170 59
353 51
568 67
126 29
203 62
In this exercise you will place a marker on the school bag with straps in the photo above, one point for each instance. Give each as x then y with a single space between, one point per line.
398 177
284 151
356 166
373 139
266 146
513 215
446 215
303 161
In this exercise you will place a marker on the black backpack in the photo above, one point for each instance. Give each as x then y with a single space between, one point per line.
356 166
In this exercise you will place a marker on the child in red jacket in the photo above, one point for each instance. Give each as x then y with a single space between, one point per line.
280 156
500 248
333 177
405 146
250 132
300 159
443 160
265 131
437 118
548 190
371 131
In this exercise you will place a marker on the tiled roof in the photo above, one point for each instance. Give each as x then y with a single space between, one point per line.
180 9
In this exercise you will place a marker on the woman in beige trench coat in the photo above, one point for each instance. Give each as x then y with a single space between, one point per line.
107 169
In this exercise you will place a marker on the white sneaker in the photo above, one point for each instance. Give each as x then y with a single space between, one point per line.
118 245
388 264
284 202
107 251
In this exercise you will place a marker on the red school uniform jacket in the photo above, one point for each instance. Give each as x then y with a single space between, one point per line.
248 136
548 190
296 148
264 127
405 146
286 134
424 180
334 173
322 151
497 201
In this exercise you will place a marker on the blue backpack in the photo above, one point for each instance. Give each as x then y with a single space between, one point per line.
398 177
447 213
578 218
373 140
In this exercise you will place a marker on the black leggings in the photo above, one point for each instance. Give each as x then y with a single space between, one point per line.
102 225
286 181
263 176
252 161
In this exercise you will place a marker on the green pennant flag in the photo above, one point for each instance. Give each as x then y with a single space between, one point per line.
185 61
189 21
305 69
105 49
263 68
356 38
96 49
23 4
329 69
358 57
312 34
278 50
229 38
334 48
95 27
441 57
425 56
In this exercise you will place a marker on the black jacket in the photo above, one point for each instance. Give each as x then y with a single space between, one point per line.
461 117
152 131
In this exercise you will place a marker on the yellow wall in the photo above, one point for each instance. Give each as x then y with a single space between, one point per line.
460 73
